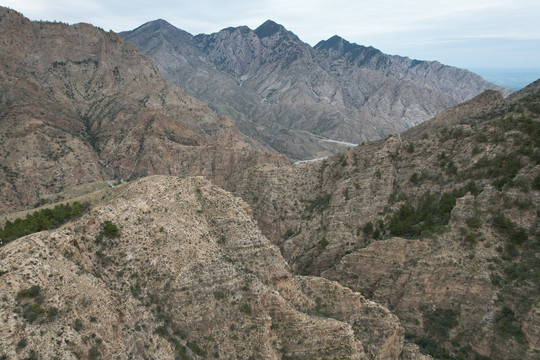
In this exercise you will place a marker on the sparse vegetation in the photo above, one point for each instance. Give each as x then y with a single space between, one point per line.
31 292
320 203
429 214
439 322
507 326
516 235
109 229
323 242
368 228
474 222
41 220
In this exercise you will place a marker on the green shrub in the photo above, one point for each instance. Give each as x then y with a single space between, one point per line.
482 137
320 203
162 331
439 322
41 220
502 223
94 353
31 292
519 235
430 213
31 312
32 355
368 228
196 349
109 229
323 242
516 235
507 326
245 309
78 325
52 312
22 343
474 222
473 188
536 183
471 238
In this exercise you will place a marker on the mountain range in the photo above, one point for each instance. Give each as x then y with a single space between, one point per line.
288 95
420 245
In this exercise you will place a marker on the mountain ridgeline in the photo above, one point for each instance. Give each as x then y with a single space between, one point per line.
287 95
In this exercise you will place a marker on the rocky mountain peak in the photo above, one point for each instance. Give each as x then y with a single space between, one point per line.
333 41
164 29
269 28
338 44
241 29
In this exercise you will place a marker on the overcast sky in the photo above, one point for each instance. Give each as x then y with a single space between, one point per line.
471 34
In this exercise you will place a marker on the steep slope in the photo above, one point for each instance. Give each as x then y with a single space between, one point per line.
78 104
439 224
188 275
279 89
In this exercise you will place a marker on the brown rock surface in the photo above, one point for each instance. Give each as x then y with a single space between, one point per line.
189 274
79 105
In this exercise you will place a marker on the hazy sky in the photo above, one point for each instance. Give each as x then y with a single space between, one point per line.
466 33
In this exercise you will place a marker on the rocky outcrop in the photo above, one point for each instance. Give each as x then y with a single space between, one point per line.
80 105
281 91
190 274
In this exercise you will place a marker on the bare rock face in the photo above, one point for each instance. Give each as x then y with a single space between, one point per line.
439 224
190 275
282 92
79 105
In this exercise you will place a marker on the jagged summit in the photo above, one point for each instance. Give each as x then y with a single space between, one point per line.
242 29
338 43
269 28
332 41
